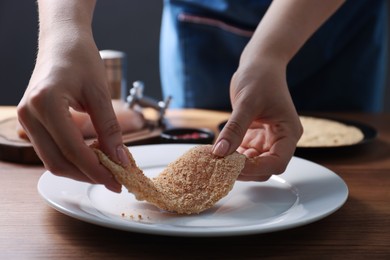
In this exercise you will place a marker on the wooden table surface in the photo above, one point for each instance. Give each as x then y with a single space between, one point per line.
30 229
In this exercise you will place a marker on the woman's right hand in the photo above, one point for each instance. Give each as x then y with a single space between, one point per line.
69 73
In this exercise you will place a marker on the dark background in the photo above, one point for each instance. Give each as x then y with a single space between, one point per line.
132 26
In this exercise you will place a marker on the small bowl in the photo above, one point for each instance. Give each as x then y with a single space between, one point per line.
187 135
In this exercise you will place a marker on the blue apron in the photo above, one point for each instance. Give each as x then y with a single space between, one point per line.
341 67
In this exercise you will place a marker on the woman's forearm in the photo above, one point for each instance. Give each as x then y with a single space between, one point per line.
286 27
64 21
54 13
64 24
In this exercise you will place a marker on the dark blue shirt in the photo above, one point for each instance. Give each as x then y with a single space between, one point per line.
341 67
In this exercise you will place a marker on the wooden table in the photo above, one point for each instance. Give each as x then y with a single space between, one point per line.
30 229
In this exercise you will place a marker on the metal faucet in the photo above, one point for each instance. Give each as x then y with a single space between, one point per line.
137 97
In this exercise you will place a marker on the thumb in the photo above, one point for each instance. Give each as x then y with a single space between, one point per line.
232 133
108 131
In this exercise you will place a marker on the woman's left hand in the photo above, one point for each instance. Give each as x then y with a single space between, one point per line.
264 124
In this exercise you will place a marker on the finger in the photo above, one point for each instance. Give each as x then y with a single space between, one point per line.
107 128
272 162
49 153
254 178
248 152
69 151
81 155
233 133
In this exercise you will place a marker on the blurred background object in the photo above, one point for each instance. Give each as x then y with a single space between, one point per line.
132 27
129 26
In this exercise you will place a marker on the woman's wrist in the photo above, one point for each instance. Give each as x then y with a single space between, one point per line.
65 20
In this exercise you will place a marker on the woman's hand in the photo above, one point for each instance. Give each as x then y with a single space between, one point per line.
264 124
69 73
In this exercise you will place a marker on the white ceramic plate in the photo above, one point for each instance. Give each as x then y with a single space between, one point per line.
306 192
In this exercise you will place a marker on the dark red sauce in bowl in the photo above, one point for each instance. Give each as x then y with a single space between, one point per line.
187 135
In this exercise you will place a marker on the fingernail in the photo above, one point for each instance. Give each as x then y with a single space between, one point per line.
122 156
221 148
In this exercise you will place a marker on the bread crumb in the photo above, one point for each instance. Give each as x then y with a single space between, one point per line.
191 184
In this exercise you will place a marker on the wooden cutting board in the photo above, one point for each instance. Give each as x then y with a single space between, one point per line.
18 150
